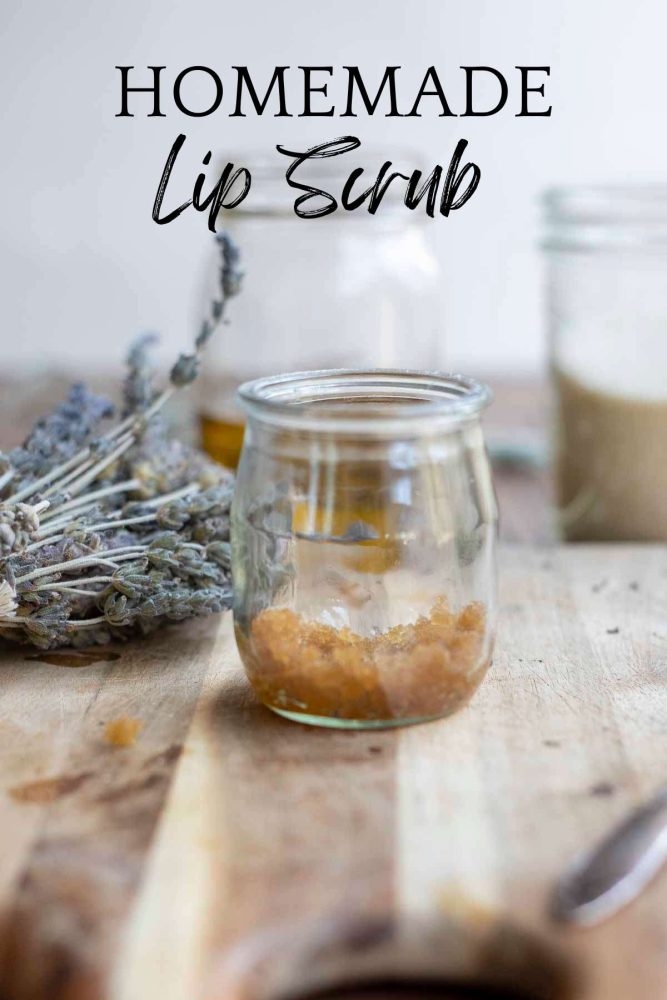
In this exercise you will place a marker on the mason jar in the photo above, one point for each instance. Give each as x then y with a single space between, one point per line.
607 262
348 289
363 538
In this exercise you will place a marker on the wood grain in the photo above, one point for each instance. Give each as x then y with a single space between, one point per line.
74 856
230 854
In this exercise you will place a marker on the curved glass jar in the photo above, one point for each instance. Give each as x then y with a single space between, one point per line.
607 260
345 290
363 537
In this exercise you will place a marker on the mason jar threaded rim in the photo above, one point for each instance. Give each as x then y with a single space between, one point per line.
381 401
606 217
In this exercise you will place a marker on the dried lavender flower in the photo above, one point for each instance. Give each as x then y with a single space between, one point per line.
206 327
231 275
106 535
138 391
60 434
185 370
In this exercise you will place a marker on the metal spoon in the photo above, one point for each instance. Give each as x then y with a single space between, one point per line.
605 879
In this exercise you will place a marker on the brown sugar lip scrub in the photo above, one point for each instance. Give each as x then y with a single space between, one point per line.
363 537
429 668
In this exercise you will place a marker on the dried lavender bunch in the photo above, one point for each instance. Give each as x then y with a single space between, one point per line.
109 533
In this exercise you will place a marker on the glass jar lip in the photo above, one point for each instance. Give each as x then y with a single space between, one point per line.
374 400
606 216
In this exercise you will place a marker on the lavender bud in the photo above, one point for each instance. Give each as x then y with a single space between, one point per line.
205 332
185 370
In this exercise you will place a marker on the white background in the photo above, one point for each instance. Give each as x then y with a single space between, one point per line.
83 266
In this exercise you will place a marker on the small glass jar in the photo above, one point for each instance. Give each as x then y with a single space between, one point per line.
607 261
345 290
363 538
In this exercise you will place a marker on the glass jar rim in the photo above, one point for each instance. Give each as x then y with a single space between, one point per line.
606 216
373 400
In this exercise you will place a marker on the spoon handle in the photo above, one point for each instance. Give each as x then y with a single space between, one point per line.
605 879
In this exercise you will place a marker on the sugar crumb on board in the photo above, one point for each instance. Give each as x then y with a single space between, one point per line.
123 731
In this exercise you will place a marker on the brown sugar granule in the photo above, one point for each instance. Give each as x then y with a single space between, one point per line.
425 669
123 731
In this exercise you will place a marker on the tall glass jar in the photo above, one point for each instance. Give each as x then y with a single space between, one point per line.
345 290
363 537
607 267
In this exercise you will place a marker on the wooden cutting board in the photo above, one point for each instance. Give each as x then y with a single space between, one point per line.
230 854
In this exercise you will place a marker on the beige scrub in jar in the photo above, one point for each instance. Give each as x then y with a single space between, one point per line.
612 462
607 261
